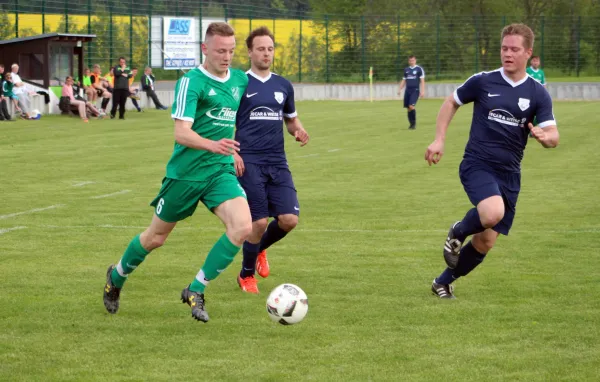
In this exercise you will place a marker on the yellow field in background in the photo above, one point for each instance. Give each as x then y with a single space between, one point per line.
283 29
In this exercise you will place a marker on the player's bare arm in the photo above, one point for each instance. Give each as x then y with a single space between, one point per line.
422 88
184 135
295 128
435 151
402 84
547 136
238 164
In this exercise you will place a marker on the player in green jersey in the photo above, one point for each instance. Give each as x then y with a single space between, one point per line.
535 72
200 169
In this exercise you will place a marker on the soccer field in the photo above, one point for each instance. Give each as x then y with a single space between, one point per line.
373 221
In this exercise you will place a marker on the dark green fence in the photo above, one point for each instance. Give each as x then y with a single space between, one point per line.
329 48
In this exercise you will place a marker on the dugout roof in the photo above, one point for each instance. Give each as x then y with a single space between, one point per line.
44 58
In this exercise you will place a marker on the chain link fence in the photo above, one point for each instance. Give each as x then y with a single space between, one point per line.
328 48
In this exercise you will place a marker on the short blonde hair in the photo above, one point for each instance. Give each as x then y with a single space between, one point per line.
519 30
15 65
219 29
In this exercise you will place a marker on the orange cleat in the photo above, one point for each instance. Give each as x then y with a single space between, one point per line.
248 284
262 264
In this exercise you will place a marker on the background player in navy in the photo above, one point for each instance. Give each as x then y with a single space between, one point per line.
261 165
506 101
414 80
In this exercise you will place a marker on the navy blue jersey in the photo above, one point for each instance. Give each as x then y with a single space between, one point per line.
412 76
260 119
501 113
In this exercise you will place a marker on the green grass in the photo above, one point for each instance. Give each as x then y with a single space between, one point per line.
374 217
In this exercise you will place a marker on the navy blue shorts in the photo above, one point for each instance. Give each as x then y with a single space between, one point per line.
481 182
270 191
411 97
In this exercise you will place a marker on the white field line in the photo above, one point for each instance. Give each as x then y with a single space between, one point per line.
109 195
31 211
309 155
79 184
333 150
6 230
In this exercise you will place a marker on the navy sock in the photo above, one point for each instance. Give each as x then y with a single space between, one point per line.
447 277
412 116
467 261
470 225
105 103
250 252
272 235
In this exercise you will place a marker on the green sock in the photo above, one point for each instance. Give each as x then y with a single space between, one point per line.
133 256
219 258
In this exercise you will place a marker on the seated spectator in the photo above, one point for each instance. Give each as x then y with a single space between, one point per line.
109 78
82 106
21 91
90 92
133 90
98 84
8 88
148 87
4 114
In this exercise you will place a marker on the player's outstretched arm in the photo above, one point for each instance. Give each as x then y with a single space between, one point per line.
435 151
185 136
422 88
547 136
295 128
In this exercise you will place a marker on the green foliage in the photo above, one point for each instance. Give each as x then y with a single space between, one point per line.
448 37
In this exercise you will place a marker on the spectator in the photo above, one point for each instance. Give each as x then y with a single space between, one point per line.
8 92
148 87
4 114
90 92
98 84
109 79
82 106
21 91
122 74
133 90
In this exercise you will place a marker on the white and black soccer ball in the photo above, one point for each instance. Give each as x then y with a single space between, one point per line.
287 304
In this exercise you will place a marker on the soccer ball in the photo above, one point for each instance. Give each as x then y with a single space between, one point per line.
287 304
35 114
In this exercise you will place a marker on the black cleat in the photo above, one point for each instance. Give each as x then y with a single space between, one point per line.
111 293
452 248
196 301
442 291
412 126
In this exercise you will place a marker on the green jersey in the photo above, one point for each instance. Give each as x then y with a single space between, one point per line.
211 103
537 74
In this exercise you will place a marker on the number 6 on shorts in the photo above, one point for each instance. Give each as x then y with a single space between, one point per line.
159 206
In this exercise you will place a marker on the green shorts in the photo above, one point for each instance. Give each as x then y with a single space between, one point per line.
178 199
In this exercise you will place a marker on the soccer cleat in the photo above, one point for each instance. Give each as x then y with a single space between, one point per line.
262 264
412 126
442 291
452 248
111 293
248 284
196 301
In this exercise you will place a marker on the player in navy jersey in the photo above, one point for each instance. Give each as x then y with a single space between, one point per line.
261 165
414 80
506 101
